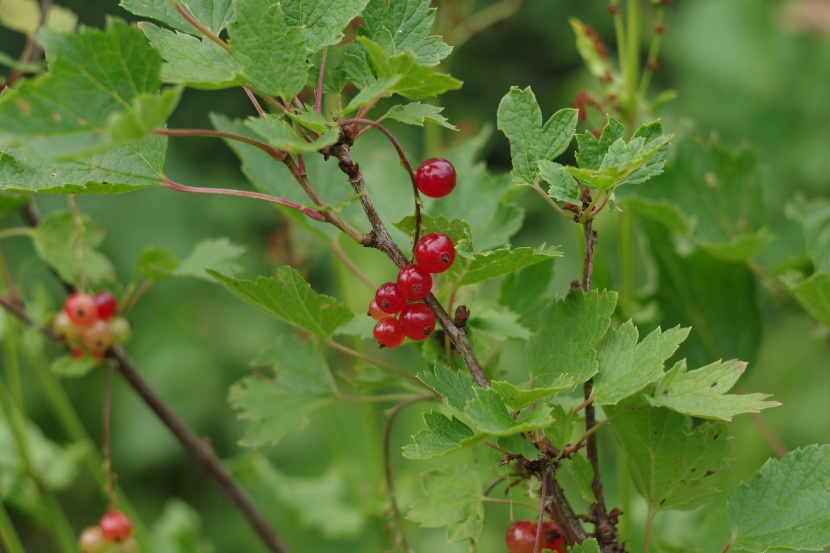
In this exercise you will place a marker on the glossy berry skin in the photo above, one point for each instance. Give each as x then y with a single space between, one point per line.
388 332
417 321
375 311
81 309
115 526
415 282
521 537
435 177
435 252
389 298
97 338
106 304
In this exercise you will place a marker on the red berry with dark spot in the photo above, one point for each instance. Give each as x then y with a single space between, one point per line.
116 526
389 298
97 338
106 305
521 537
388 332
415 282
417 321
435 177
435 252
375 311
81 309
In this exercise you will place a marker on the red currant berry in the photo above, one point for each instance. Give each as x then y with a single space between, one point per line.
417 321
435 252
91 540
106 305
116 526
435 177
375 311
389 298
65 328
415 282
388 332
76 353
81 309
97 338
521 537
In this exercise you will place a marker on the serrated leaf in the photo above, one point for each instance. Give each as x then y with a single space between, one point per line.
455 386
218 255
592 149
443 436
197 63
489 414
92 76
478 267
588 546
405 25
490 324
213 14
563 187
518 445
69 247
786 505
70 367
276 132
517 399
454 500
702 392
814 218
523 291
24 16
147 113
458 230
626 367
324 21
568 330
814 296
674 465
280 405
582 473
520 119
272 54
290 298
559 433
416 113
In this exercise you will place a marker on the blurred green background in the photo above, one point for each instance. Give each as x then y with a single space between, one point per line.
753 72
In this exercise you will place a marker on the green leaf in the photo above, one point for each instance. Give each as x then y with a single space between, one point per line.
520 119
324 21
443 436
198 63
489 414
416 113
70 367
454 385
149 112
814 296
674 465
213 14
281 135
473 268
588 546
218 254
592 150
626 367
290 298
454 500
785 505
69 246
272 54
179 530
582 473
10 202
281 405
405 25
490 325
93 76
559 433
117 170
404 74
517 399
24 16
458 230
814 218
8 61
563 187
523 291
702 392
567 332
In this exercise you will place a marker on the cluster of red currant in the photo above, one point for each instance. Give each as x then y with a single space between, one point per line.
112 535
88 324
521 537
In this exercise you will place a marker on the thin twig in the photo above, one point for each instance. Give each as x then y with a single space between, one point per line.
569 524
254 101
537 546
196 23
318 101
113 501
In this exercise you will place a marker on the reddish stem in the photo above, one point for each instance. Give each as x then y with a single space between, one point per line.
318 103
196 23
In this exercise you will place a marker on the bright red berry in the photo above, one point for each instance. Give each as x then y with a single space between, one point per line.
91 540
415 282
389 298
435 177
97 338
76 353
81 309
521 537
116 526
435 252
106 304
417 321
388 332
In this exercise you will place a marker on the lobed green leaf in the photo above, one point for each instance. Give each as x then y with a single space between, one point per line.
442 436
471 268
454 500
68 244
213 14
324 21
405 25
814 296
218 255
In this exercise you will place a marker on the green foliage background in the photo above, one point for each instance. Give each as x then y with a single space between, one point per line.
740 73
